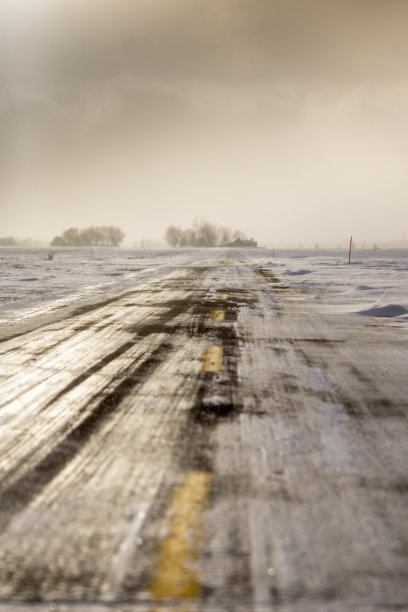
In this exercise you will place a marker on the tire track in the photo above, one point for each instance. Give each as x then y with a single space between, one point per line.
25 489
157 324
215 401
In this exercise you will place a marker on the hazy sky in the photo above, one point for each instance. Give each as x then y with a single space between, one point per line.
285 118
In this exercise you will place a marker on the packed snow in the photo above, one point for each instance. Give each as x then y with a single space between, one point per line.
37 281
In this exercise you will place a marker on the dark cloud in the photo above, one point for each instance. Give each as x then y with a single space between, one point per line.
212 103
337 41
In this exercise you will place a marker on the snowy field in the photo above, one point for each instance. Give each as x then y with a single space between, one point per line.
31 283
375 284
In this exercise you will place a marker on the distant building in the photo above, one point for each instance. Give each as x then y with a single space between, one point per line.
240 242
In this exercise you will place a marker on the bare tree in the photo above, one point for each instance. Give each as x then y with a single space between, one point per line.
173 235
201 234
115 235
90 236
188 238
58 241
206 233
224 235
209 234
71 237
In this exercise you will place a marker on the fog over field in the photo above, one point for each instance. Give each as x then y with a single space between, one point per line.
285 118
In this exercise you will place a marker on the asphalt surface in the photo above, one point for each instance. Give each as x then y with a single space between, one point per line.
209 440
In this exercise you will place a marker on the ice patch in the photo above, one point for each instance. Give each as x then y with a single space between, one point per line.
391 310
297 272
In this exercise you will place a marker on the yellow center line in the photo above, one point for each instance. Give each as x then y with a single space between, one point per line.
212 360
175 576
217 315
224 296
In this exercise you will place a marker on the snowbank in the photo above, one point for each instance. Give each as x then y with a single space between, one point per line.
375 284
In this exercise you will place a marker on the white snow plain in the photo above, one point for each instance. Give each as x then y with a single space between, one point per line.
374 284
32 284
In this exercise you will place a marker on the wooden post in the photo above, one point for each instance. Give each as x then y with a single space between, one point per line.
351 244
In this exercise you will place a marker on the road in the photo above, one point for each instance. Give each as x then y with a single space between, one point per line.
209 440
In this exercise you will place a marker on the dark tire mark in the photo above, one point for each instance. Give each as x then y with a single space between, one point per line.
299 592
90 371
26 488
160 323
379 408
267 274
193 449
96 305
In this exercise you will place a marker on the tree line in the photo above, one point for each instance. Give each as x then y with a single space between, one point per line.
90 236
201 234
9 241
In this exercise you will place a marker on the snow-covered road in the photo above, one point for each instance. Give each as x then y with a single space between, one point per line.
206 435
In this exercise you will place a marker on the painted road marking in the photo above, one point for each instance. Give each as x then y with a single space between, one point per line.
217 315
213 359
224 296
175 576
